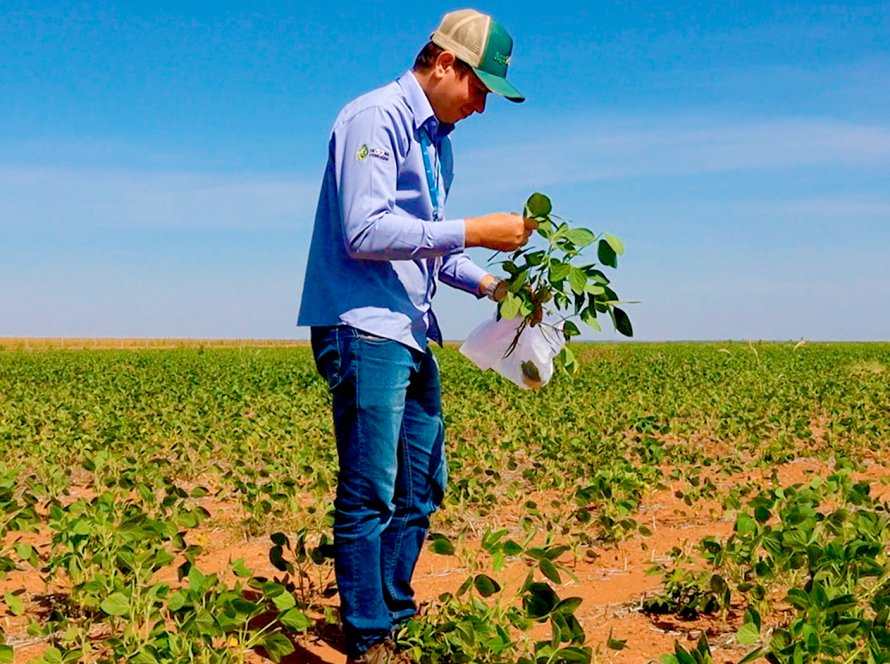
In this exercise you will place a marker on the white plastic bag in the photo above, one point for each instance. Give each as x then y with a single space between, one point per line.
530 364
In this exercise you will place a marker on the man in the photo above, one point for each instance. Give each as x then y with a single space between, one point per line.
379 245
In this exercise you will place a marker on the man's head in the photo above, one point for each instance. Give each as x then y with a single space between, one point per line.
466 58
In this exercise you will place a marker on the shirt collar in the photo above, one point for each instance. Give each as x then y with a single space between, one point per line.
420 107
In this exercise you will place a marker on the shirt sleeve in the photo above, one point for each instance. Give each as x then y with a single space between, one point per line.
368 151
459 271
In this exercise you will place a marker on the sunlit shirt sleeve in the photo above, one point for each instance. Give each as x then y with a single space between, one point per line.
368 152
459 271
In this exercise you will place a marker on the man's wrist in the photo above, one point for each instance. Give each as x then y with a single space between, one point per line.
495 289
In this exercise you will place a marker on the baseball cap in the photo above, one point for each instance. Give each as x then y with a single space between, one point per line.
482 43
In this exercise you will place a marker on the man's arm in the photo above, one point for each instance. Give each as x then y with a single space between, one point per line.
459 271
367 152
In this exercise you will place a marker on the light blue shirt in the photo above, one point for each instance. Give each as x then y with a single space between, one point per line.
377 250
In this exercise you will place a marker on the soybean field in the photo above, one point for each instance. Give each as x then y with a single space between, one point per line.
676 503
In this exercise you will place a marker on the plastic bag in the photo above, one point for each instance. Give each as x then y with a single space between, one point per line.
530 365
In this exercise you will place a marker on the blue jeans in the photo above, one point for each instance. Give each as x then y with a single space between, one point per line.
387 408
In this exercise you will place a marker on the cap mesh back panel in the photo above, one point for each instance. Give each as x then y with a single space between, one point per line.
465 32
470 31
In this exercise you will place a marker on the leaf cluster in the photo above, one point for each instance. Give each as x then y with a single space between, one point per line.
557 281
478 624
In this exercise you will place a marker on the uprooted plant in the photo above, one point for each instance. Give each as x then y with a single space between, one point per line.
554 285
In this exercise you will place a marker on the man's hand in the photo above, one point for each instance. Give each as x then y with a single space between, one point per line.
499 231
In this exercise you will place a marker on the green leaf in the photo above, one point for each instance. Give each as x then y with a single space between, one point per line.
622 322
177 600
752 656
15 604
538 205
52 655
296 620
545 228
518 281
752 615
486 585
197 581
748 634
491 538
144 657
588 316
607 254
465 586
566 359
6 654
116 604
539 600
441 544
574 654
241 569
798 598
27 553
615 644
581 237
761 513
683 655
577 280
745 525
559 270
535 258
80 527
568 605
616 244
284 601
510 306
277 646
549 570
205 623
244 607
841 604
511 548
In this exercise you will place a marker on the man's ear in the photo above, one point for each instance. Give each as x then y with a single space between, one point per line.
444 61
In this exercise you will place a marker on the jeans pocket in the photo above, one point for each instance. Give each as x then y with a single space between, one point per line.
367 337
328 360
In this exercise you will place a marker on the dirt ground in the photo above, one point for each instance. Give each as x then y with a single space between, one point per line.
612 583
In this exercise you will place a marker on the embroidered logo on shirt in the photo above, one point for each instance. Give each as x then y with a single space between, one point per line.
362 153
380 153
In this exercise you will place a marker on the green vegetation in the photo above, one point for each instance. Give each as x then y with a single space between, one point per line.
557 281
119 468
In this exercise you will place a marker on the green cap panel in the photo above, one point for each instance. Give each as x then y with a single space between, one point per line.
497 51
492 69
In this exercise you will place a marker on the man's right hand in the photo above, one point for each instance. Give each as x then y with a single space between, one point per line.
499 231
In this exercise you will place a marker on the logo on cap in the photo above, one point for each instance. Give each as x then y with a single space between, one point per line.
502 59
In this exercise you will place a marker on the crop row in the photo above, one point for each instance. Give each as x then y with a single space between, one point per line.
112 461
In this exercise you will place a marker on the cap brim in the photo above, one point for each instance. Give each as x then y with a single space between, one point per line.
499 86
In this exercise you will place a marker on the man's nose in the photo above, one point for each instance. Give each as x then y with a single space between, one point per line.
480 103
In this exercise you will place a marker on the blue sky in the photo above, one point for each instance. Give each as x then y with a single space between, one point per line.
160 161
